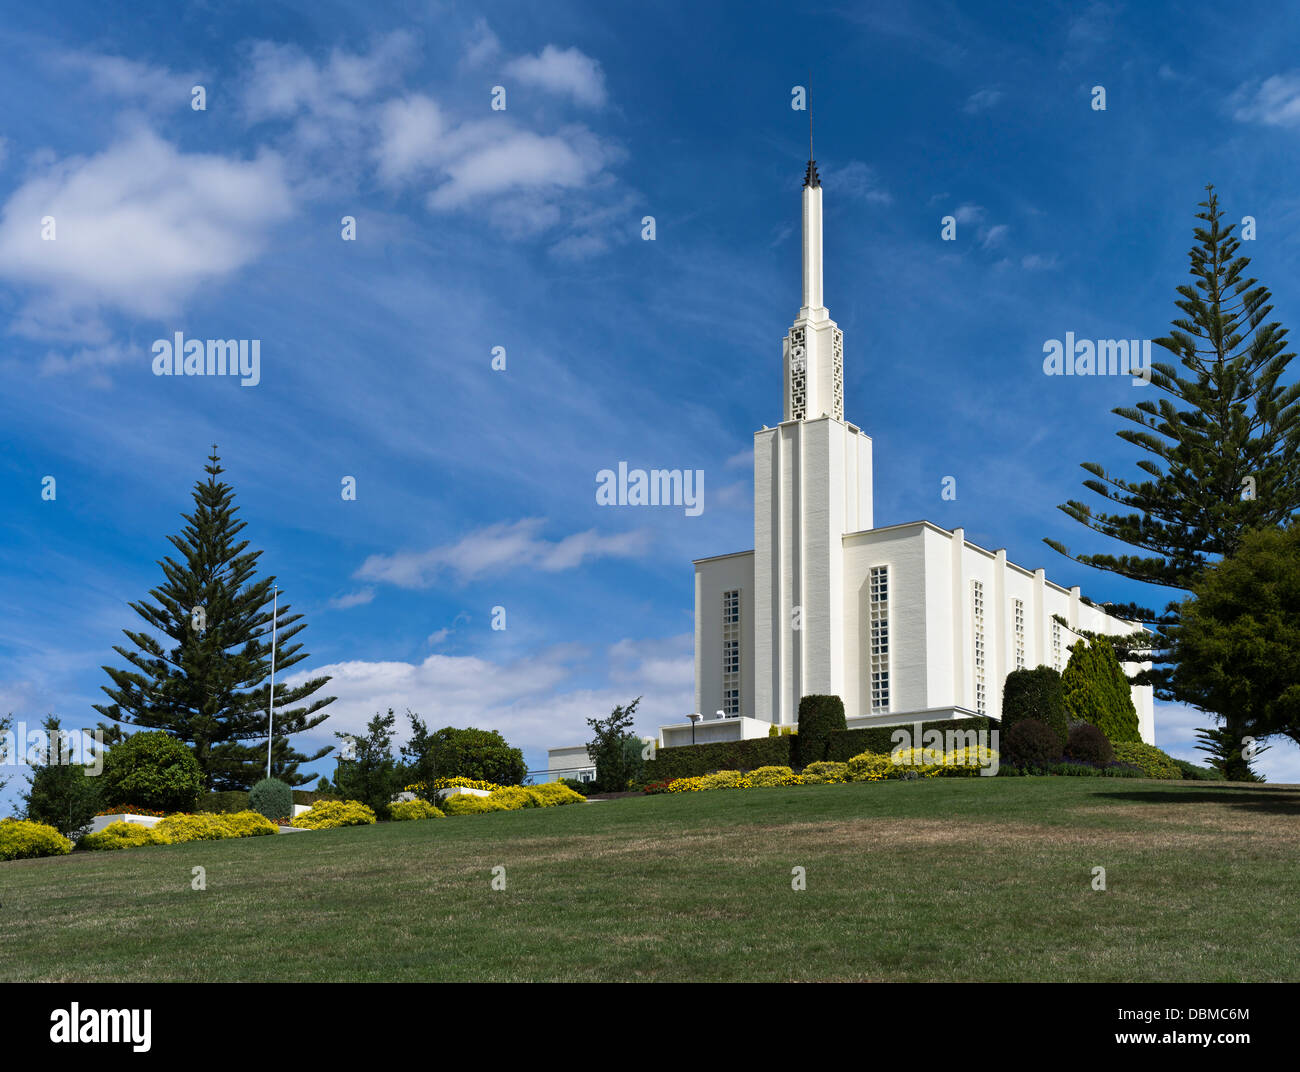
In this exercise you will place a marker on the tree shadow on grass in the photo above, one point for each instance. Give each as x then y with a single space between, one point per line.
1274 800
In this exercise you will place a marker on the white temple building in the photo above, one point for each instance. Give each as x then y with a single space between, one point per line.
904 623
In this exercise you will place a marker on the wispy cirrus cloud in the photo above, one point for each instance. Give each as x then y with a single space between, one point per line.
141 83
358 598
859 180
498 548
981 101
1274 101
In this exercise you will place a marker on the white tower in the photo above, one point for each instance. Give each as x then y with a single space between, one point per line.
812 485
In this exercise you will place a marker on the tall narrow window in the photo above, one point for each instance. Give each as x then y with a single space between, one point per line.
731 652
977 631
879 614
1056 646
1020 633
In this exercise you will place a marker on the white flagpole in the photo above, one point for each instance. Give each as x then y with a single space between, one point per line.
270 705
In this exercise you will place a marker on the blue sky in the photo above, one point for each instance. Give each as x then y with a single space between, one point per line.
522 229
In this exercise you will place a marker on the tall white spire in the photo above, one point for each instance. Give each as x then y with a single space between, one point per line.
812 244
814 349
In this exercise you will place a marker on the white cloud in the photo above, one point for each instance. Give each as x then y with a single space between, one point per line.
968 213
535 701
410 130
981 100
562 71
859 180
484 45
284 82
994 235
358 598
1036 262
139 227
498 548
520 160
89 362
130 79
1273 102
445 633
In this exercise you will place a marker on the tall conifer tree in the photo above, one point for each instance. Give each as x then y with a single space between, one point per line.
207 681
1221 446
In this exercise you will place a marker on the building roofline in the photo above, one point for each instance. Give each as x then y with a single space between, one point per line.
714 558
924 524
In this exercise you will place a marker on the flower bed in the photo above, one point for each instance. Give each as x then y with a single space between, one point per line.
866 767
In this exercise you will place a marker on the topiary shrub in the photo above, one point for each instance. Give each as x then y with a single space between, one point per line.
1035 694
553 794
152 770
1031 744
767 777
819 717
724 779
331 814
409 810
21 840
468 804
514 797
825 773
691 760
121 835
576 786
1148 758
968 762
916 762
870 767
1087 744
179 829
249 824
272 798
1095 690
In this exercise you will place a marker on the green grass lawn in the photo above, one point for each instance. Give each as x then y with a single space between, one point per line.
950 879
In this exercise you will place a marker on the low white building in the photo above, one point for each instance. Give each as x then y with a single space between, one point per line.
570 762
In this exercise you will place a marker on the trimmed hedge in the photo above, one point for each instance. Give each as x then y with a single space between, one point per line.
690 760
121 835
272 798
205 826
1035 694
819 717
331 814
845 744
1153 762
413 810
229 801
1095 690
21 840
224 803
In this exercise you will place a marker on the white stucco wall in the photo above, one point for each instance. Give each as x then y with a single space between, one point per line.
713 577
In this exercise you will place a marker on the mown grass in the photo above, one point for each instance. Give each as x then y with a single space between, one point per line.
951 879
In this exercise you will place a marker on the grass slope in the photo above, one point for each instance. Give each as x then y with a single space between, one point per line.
953 879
